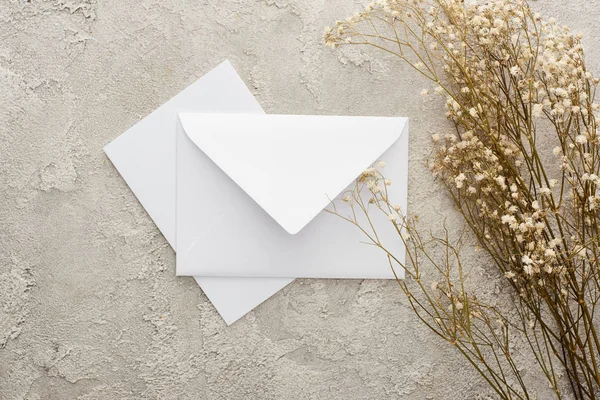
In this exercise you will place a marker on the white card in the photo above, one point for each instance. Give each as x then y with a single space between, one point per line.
145 156
251 189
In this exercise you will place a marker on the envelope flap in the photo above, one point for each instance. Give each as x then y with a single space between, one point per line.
292 165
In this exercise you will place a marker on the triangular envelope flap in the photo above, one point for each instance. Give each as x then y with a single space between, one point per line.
292 165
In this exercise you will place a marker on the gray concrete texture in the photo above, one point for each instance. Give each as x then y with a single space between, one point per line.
90 307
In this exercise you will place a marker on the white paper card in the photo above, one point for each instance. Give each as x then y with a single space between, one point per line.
251 189
145 156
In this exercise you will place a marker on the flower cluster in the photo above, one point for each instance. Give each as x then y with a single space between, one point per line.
523 160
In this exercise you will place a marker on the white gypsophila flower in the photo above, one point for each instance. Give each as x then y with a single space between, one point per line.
557 150
538 110
387 182
369 171
560 92
509 274
535 205
554 242
397 207
501 180
473 112
581 139
424 92
528 269
508 219
520 238
381 164
393 217
514 70
435 137
553 182
459 180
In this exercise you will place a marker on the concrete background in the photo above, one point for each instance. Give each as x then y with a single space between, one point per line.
90 306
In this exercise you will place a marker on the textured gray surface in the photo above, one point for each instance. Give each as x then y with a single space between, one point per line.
89 303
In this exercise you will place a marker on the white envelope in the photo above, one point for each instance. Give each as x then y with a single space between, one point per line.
145 157
251 190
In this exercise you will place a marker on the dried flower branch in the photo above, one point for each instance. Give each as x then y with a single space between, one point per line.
513 82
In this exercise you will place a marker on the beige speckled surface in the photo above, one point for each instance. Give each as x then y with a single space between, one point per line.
89 303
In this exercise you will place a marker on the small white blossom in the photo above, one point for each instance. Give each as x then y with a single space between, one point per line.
581 139
508 219
369 171
560 92
554 242
459 180
501 181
